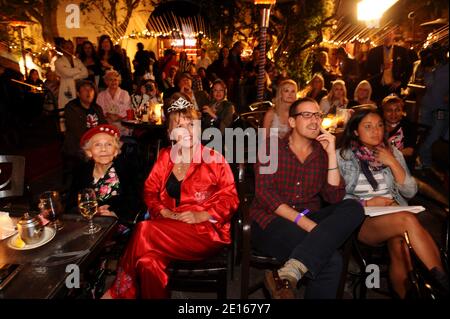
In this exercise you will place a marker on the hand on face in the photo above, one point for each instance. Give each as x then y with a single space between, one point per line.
327 140
384 155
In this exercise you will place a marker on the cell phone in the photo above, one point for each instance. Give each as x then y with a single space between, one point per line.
8 272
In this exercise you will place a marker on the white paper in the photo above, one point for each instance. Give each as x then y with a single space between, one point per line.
7 228
382 210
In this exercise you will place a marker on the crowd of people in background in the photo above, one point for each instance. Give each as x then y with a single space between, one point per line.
92 89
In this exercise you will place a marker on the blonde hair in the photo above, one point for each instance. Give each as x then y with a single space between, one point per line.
330 96
362 84
284 83
110 74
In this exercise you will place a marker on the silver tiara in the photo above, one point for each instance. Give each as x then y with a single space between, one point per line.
180 104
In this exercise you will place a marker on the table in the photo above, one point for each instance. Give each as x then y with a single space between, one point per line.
47 282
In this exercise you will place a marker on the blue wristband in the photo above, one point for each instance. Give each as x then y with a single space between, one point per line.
300 215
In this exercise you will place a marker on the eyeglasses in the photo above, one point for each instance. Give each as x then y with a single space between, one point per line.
308 115
218 90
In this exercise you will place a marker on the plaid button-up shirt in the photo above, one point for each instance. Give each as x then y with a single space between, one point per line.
299 185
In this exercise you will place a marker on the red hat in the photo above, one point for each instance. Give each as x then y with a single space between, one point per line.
103 128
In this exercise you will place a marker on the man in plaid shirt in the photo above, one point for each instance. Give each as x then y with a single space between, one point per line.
290 222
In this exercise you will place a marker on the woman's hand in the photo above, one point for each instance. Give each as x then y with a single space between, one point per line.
385 156
113 117
208 109
104 211
380 201
167 213
191 217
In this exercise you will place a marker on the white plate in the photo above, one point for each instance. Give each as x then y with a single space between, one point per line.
49 233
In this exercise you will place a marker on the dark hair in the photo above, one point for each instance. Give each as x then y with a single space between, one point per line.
392 99
101 52
83 55
293 107
80 83
352 125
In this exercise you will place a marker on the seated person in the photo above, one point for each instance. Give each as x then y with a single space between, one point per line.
335 99
115 182
401 132
376 174
289 221
183 84
316 88
362 95
220 112
191 196
114 101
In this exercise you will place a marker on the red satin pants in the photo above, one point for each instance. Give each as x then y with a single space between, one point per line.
142 269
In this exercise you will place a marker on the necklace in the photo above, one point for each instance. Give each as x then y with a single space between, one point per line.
182 167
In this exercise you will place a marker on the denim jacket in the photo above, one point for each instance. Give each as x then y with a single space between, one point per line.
350 169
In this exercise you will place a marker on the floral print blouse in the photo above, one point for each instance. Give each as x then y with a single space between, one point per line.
107 186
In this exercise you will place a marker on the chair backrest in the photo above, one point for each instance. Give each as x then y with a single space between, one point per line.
12 175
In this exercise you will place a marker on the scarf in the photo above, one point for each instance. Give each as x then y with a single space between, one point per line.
368 162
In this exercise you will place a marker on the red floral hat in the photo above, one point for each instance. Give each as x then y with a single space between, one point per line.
103 128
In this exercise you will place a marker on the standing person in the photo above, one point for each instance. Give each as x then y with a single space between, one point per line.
349 69
114 101
277 117
435 108
69 69
322 66
316 88
90 61
235 69
363 95
141 63
388 68
376 174
203 61
80 114
191 198
109 59
289 221
219 68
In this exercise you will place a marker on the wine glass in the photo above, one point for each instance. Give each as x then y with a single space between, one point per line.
87 203
51 208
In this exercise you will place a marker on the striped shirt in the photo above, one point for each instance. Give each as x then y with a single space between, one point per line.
299 185
364 190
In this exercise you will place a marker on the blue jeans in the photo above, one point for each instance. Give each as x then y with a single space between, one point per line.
317 249
438 120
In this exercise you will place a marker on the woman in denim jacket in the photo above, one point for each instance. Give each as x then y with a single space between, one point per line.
377 175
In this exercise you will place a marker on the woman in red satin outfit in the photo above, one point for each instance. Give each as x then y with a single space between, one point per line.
191 196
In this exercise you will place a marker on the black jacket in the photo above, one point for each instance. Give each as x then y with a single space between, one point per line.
127 204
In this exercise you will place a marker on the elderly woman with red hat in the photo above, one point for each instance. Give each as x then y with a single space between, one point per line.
191 196
116 184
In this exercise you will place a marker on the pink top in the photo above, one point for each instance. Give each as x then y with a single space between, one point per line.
117 104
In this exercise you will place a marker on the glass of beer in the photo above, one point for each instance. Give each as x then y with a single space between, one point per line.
87 203
51 208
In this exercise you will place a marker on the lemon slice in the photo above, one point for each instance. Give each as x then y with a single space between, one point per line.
18 242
